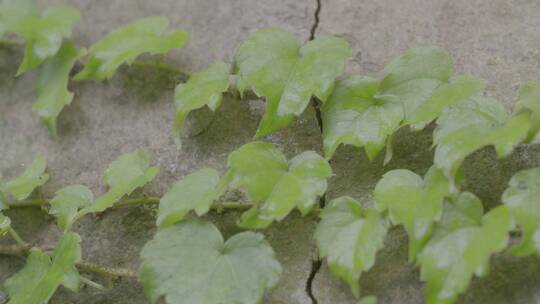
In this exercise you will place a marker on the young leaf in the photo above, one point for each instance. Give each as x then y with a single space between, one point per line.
523 199
67 201
365 112
458 90
5 223
256 167
273 64
529 100
473 124
354 116
40 277
43 34
263 171
196 192
127 173
349 237
461 246
125 44
412 202
299 187
33 177
190 263
52 91
412 78
202 88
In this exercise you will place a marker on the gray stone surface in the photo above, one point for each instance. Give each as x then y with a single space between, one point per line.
135 110
497 40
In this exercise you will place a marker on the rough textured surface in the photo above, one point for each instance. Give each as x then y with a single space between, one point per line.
135 110
496 40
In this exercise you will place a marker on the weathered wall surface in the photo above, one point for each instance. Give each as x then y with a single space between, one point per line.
497 40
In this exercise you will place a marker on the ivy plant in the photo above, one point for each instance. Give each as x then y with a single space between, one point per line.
451 238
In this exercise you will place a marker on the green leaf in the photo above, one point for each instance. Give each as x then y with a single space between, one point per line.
354 116
52 91
523 199
40 277
473 124
202 88
127 173
190 263
125 44
458 90
43 34
274 185
256 167
461 246
412 202
196 191
349 237
33 177
5 223
299 187
368 300
529 100
3 201
67 202
413 77
365 112
273 64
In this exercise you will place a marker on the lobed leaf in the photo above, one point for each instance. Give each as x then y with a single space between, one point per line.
473 124
190 263
461 246
43 34
127 173
523 199
41 276
412 202
349 237
125 44
52 91
256 167
273 64
202 88
354 116
196 191
67 202
274 185
33 177
529 101
365 112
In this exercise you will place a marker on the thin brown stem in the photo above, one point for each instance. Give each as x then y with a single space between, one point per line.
84 266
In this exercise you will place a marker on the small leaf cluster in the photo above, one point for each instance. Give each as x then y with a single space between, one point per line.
49 48
451 237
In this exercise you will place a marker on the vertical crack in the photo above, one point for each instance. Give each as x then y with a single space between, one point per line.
316 24
315 266
316 263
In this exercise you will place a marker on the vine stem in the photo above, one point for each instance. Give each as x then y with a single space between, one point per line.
84 266
138 201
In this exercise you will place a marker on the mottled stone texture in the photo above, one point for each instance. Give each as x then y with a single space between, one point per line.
496 40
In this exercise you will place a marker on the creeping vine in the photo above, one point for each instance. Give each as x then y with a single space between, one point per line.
451 238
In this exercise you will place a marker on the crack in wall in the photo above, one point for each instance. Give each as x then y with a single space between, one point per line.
316 263
316 23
